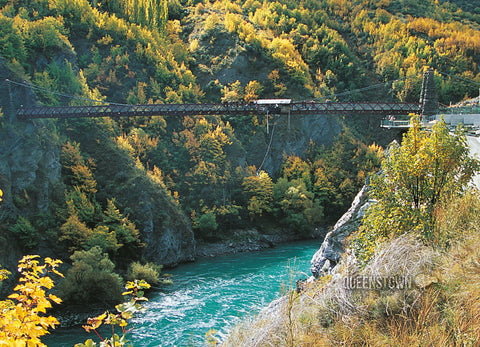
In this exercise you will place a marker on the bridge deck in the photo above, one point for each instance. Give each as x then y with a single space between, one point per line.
294 108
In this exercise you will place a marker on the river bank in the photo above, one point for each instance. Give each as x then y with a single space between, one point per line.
251 241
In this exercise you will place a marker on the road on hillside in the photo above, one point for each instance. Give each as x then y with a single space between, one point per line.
474 143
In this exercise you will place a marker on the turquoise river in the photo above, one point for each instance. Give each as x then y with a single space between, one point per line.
210 294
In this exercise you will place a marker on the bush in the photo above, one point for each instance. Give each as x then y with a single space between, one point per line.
148 272
206 225
91 279
25 233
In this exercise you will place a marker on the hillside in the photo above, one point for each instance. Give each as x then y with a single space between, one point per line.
149 189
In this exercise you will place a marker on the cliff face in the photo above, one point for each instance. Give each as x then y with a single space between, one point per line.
29 166
30 177
221 59
327 257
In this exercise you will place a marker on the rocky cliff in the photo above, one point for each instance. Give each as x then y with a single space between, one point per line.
327 257
166 231
243 63
291 137
29 166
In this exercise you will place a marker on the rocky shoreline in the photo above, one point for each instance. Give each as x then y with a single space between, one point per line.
250 241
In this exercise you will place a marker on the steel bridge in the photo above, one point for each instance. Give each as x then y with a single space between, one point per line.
292 108
428 105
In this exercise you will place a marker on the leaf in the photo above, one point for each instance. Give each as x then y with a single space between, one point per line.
88 343
94 323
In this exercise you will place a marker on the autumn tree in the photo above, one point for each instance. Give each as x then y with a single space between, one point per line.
259 189
85 225
22 316
252 91
125 312
426 168
125 235
296 206
233 92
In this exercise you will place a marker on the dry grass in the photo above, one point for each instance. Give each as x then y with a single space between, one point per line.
442 308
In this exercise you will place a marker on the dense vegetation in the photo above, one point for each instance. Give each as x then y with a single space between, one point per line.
83 52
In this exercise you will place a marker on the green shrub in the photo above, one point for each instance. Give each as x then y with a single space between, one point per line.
91 279
25 233
206 225
148 272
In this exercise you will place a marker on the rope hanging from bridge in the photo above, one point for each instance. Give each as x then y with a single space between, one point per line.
268 147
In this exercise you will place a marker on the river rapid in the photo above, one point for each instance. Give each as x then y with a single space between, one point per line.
210 294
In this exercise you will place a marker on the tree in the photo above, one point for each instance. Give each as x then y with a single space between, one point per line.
296 206
427 168
78 171
126 232
260 190
252 91
207 223
91 279
126 312
74 233
25 232
233 92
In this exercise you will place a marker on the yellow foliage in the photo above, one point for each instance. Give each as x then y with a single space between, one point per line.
194 45
211 21
232 21
23 323
252 91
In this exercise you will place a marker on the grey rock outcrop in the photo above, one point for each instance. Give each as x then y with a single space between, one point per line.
239 62
327 257
29 178
165 229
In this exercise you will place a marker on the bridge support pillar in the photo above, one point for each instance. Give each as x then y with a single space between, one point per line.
428 96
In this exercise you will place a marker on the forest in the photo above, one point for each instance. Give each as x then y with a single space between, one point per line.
203 173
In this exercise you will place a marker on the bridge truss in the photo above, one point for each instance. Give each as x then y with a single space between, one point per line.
292 108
